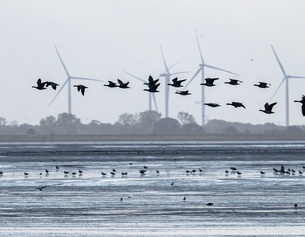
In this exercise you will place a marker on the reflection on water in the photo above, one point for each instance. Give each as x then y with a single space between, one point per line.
90 204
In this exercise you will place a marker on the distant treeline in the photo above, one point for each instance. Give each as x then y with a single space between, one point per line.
144 123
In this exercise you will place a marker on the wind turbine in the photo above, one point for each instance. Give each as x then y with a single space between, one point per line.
202 67
151 96
167 76
286 77
68 81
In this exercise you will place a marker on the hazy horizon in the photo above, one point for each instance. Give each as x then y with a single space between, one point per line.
102 39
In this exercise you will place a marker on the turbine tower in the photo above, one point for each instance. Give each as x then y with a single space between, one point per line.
68 81
201 69
167 76
286 77
151 96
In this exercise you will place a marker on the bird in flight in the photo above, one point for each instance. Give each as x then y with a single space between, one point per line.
40 85
151 81
183 92
41 188
233 82
123 85
302 101
213 105
176 82
152 88
263 85
209 82
52 84
268 108
236 104
111 84
81 88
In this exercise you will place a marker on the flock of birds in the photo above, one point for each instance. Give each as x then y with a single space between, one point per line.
154 84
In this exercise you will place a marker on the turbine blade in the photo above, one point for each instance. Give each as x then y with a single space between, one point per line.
166 68
281 66
295 77
86 79
135 76
175 73
193 77
220 69
199 47
62 87
155 102
62 62
277 89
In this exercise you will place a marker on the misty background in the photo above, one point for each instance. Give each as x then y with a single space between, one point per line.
103 39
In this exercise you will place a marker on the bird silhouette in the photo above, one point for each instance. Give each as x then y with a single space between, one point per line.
213 105
176 82
236 104
123 85
183 92
302 101
262 85
151 81
209 82
41 188
52 84
152 88
81 88
268 108
40 85
111 84
233 82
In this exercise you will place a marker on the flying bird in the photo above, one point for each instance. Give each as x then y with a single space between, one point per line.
176 82
263 85
151 81
41 188
111 84
233 82
123 85
236 104
268 108
52 84
152 88
81 88
302 101
209 82
40 85
183 92
213 105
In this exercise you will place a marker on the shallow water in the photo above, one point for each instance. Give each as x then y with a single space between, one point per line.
152 204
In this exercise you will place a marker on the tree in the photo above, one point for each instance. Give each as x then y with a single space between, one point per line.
147 120
3 121
127 119
68 124
185 118
167 126
48 122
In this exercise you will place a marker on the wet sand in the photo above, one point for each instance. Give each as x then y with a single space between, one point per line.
152 204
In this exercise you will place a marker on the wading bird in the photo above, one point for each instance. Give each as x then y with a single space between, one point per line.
268 108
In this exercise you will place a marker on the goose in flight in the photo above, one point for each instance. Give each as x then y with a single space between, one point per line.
236 104
123 85
81 88
152 88
263 85
233 82
302 101
268 108
40 85
213 105
151 81
209 82
111 84
183 92
52 84
176 82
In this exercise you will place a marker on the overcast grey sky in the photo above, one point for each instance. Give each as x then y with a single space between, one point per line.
101 39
